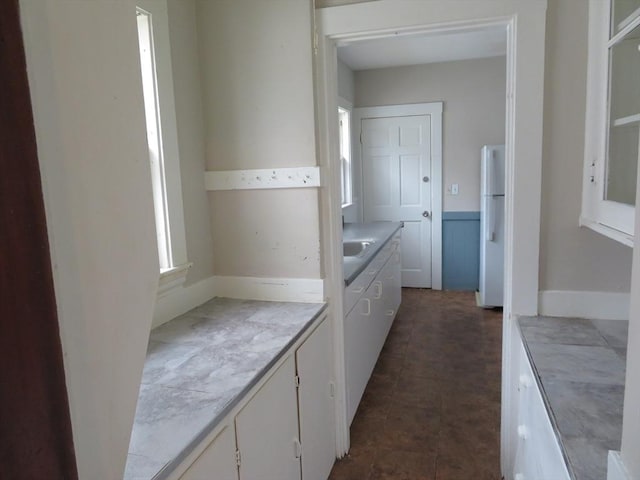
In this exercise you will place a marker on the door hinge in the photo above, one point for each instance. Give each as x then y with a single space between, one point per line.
360 137
332 389
297 446
592 172
296 381
238 458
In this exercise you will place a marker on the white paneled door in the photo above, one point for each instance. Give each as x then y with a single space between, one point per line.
396 170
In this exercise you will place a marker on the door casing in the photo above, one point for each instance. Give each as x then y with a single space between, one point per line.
525 24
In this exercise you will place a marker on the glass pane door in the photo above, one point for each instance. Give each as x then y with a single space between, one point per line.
624 119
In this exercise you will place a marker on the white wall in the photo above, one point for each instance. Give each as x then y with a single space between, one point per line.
631 418
185 61
473 95
347 92
84 74
336 3
256 61
346 83
571 258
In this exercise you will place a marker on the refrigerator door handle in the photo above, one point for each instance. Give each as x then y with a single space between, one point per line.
494 208
488 162
488 224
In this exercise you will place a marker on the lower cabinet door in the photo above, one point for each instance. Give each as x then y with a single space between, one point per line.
315 403
357 338
538 455
391 281
218 461
267 430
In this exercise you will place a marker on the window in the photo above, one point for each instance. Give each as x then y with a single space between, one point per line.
613 119
344 119
156 160
157 89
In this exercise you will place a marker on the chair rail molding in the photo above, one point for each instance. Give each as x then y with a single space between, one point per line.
263 178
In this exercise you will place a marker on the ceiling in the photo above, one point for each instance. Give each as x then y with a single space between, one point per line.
418 49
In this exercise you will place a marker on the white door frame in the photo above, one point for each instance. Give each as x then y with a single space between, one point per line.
525 23
434 110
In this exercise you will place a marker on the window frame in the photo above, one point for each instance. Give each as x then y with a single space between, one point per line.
173 264
612 219
346 164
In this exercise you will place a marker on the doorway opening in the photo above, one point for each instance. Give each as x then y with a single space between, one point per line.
398 142
525 26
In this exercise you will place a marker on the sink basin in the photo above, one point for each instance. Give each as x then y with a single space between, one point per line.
353 249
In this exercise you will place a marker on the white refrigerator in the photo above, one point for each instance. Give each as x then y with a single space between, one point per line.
492 217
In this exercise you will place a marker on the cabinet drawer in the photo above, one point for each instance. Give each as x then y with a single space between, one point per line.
354 291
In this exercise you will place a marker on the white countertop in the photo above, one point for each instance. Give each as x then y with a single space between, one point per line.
378 232
198 367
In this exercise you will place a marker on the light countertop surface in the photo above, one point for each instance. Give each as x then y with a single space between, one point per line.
198 367
580 367
378 232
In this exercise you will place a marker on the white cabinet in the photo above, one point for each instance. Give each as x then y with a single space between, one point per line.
283 431
267 429
217 461
374 298
359 353
612 124
538 453
315 403
392 290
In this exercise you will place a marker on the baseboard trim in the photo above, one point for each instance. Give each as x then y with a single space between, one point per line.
615 467
181 300
583 304
305 290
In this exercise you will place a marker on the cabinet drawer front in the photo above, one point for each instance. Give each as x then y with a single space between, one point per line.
354 291
363 281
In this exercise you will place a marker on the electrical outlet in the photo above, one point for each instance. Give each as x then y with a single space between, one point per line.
454 189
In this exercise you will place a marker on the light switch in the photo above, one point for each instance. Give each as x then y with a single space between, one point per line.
454 189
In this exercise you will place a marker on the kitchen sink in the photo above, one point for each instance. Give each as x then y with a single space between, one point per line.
354 249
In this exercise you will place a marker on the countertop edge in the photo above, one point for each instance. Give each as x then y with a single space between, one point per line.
171 466
371 255
547 404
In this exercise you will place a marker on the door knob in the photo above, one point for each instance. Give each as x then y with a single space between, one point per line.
425 214
425 179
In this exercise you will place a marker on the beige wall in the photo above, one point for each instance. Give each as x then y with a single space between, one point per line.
86 92
336 3
346 83
258 86
631 419
473 92
256 62
190 123
267 233
571 258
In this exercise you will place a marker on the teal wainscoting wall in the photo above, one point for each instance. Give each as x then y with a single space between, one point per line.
460 250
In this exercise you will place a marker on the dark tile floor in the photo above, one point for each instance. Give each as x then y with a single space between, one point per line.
431 409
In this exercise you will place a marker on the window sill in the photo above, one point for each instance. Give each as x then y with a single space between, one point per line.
173 278
607 231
